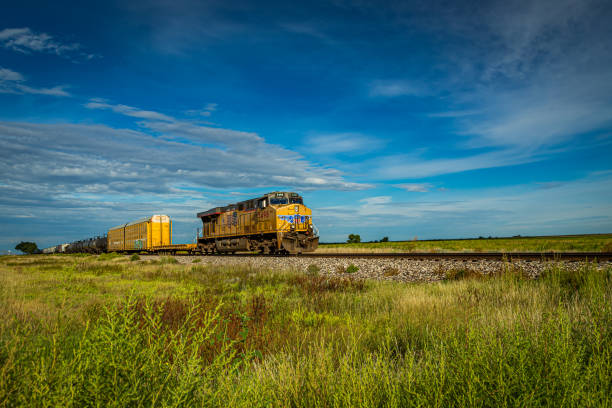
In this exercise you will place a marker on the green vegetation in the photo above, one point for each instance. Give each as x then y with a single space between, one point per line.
27 247
80 331
352 268
353 239
578 243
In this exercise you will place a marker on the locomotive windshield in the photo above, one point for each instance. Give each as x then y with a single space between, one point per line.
277 201
296 201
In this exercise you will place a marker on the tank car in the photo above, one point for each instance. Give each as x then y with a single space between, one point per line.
95 245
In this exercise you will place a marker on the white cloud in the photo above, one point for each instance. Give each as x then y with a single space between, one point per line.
13 82
395 88
240 140
311 30
72 156
541 73
98 176
370 201
8 75
543 114
415 187
206 111
575 206
413 166
128 111
532 78
334 143
454 114
55 91
25 41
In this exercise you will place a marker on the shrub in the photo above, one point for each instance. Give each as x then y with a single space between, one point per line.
352 268
197 260
135 257
108 256
390 271
127 358
168 260
317 284
462 273
313 269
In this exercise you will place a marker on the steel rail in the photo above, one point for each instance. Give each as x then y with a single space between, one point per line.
465 256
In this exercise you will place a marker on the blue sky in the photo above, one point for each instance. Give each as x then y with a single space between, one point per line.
396 119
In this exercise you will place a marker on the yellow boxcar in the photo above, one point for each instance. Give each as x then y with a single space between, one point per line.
141 235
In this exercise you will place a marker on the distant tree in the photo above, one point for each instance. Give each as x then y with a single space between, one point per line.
354 239
384 239
27 247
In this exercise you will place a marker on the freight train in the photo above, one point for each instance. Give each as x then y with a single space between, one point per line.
275 223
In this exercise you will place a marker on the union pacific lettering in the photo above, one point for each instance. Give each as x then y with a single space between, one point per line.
293 218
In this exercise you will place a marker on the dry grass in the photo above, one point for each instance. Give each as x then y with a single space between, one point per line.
80 331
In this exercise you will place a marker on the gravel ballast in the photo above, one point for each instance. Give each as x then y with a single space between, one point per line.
397 269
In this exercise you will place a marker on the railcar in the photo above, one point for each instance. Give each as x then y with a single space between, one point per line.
277 222
141 235
95 245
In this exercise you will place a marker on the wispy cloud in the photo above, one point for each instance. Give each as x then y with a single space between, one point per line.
311 30
415 166
538 76
373 201
98 176
348 143
128 111
415 187
54 91
546 80
578 206
206 111
395 88
13 82
454 114
6 75
100 161
24 40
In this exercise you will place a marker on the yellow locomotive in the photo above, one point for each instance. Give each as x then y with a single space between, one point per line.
277 222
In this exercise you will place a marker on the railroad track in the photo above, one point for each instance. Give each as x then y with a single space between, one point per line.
533 256
465 256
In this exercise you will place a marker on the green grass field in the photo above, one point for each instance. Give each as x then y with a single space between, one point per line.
110 331
577 243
